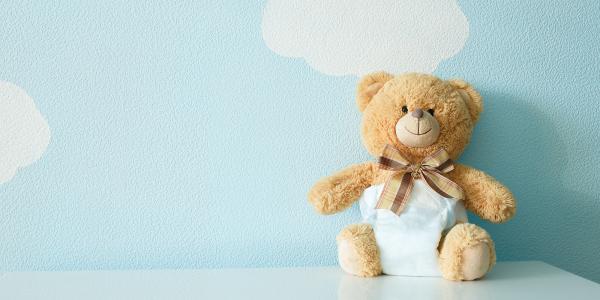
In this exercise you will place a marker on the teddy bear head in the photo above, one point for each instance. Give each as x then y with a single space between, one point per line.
417 113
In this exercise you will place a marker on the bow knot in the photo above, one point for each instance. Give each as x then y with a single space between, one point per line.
415 170
397 188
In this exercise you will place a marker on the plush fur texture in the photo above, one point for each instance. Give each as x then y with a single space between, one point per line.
486 196
335 193
357 250
466 253
456 106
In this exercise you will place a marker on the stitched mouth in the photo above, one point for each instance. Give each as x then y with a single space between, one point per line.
428 130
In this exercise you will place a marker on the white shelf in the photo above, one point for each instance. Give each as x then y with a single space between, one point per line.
509 280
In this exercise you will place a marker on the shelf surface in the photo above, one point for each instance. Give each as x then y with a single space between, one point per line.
508 280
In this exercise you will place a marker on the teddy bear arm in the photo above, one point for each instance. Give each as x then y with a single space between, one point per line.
337 192
484 195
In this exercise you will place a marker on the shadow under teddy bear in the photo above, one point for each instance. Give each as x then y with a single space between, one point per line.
521 147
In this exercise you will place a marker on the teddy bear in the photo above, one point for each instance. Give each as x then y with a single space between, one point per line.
414 200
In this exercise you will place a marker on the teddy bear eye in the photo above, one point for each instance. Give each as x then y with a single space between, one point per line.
430 111
404 109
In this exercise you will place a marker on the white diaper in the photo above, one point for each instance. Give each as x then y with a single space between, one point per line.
408 243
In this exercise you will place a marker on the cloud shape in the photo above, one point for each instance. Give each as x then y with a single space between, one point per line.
341 37
24 134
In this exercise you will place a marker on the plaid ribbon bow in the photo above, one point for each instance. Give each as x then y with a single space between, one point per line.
397 188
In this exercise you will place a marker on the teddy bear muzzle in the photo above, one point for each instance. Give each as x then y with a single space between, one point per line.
417 129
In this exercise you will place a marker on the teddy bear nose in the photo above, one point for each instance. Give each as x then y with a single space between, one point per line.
417 113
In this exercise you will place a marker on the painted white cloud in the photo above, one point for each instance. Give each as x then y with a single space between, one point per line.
341 37
24 134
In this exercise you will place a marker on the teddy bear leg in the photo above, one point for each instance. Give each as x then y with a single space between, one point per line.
357 250
466 253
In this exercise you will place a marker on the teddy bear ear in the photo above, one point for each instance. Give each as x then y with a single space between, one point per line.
471 97
368 86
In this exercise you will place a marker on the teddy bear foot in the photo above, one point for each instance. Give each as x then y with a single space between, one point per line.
357 251
467 253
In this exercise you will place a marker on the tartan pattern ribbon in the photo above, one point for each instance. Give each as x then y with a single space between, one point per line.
398 186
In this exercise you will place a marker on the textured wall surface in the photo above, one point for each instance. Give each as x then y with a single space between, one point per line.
179 140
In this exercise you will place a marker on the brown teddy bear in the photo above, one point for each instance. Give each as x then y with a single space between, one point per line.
413 202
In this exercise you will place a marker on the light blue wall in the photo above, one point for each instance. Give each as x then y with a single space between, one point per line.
179 140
